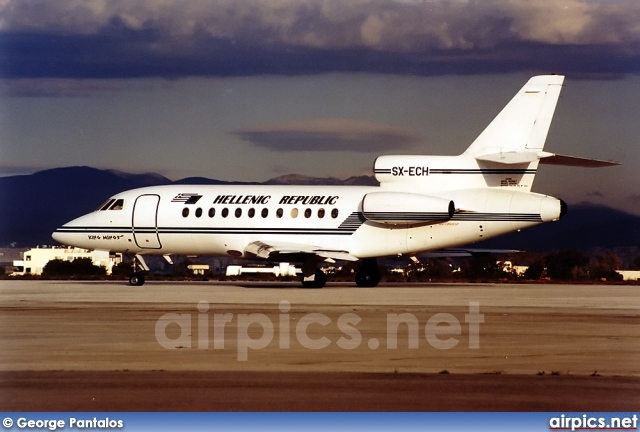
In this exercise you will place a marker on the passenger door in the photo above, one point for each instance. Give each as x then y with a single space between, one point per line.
145 222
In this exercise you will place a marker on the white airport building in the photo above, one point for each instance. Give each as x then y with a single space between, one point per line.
629 275
34 260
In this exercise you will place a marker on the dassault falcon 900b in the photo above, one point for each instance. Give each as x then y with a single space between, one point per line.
423 203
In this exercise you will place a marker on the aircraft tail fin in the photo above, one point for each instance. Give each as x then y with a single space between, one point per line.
517 135
505 155
523 124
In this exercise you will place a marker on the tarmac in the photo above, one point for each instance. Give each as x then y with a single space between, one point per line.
205 346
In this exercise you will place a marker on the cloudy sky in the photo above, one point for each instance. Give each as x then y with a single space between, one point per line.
248 90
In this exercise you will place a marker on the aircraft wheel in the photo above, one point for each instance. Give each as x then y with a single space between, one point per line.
320 280
136 279
368 275
367 279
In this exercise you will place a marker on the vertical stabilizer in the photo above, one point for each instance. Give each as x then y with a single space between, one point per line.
523 124
505 155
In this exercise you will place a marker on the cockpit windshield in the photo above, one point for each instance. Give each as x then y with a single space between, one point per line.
112 204
105 205
118 205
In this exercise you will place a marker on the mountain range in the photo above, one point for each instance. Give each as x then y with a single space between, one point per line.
34 205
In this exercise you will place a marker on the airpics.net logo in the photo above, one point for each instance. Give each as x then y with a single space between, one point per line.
590 422
256 331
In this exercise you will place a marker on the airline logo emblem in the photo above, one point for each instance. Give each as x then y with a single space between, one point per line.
187 198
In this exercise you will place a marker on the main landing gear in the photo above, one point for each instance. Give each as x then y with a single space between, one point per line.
367 273
319 280
312 277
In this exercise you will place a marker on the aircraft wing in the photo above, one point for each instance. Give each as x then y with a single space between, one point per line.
466 252
280 251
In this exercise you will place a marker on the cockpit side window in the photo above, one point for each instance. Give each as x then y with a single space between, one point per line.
117 205
106 205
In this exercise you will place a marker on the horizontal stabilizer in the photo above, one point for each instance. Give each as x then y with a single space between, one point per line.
523 157
557 159
510 158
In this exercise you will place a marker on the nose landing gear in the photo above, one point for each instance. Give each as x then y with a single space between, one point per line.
136 279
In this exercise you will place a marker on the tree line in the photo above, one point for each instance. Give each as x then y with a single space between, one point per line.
563 265
78 267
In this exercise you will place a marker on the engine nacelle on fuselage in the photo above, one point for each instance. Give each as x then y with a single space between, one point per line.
406 208
518 209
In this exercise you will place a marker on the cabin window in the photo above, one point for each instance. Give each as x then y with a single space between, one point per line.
225 212
185 212
106 205
252 212
198 212
265 212
212 212
238 212
279 213
294 212
321 213
334 213
117 205
307 213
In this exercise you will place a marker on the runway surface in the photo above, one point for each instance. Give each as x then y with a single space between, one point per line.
213 346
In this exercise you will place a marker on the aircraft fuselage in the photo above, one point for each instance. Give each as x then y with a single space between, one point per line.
223 220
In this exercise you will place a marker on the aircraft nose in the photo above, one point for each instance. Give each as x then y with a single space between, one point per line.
64 236
61 237
73 233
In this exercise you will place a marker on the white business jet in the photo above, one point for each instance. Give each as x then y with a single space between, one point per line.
423 203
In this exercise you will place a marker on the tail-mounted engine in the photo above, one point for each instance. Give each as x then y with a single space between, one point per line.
406 208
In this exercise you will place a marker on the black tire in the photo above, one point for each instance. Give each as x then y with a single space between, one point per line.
367 279
320 280
368 275
136 279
